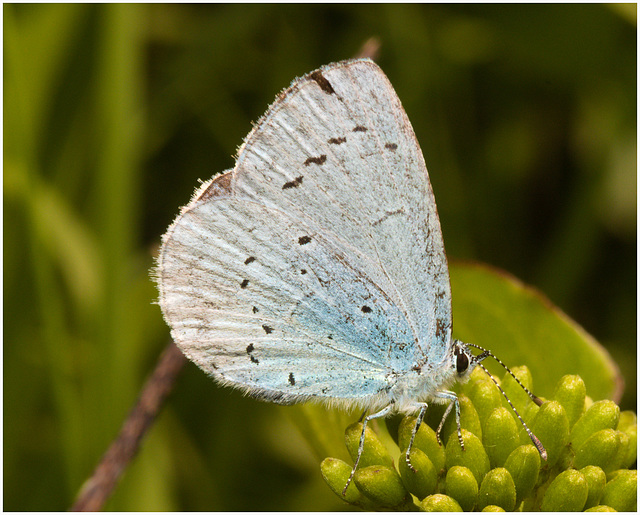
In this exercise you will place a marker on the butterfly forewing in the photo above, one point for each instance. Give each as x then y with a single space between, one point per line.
338 148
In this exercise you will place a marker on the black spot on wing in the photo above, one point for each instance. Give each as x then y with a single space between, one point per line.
303 271
292 380
337 141
255 309
366 309
250 349
303 240
249 260
359 128
391 146
441 328
244 283
322 81
267 329
316 160
294 183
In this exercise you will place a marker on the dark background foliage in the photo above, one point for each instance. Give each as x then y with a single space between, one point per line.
527 118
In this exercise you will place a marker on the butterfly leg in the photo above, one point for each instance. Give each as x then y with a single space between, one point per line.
382 413
453 402
423 410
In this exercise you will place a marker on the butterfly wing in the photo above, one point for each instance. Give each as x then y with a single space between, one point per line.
337 148
316 267
260 300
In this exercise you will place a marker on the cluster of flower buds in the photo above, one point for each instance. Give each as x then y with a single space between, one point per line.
590 447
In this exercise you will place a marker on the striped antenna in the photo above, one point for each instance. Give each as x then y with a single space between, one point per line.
486 353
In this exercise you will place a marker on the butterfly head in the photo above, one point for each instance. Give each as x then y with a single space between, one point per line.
465 361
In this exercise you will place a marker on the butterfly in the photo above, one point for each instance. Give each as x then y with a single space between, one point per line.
315 269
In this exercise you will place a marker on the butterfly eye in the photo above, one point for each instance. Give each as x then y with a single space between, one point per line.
462 362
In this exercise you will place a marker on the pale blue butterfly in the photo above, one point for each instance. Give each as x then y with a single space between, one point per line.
315 269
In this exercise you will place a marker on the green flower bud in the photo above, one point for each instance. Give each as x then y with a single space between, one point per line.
440 502
382 485
524 466
469 419
551 426
374 451
497 489
627 419
596 480
601 415
514 391
500 436
425 440
621 492
336 472
567 492
628 425
528 414
601 449
571 392
565 461
473 457
477 375
484 394
632 449
423 481
589 472
623 450
462 486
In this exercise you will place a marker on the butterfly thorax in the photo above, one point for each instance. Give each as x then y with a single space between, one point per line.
421 383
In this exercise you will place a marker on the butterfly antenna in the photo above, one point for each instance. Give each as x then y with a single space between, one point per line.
488 353
534 398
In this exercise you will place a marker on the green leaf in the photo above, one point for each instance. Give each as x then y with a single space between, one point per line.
520 326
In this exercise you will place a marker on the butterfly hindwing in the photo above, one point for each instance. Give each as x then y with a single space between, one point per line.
259 305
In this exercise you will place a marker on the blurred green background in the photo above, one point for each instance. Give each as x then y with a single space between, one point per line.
527 118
